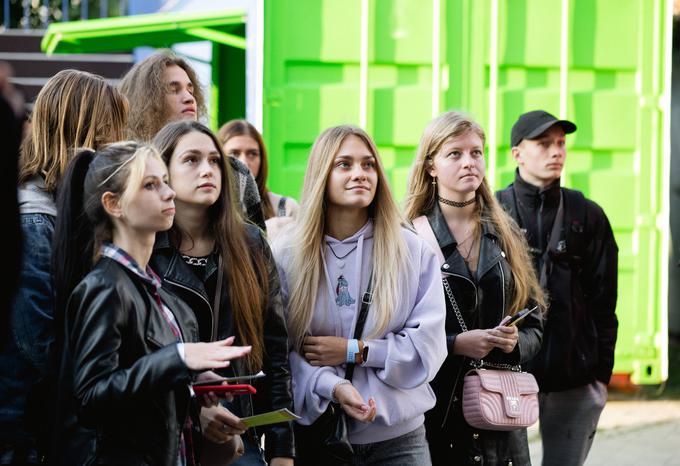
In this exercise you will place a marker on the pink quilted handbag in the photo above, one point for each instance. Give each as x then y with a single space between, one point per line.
500 399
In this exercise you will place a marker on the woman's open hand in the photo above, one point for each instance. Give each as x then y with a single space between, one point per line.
353 404
215 355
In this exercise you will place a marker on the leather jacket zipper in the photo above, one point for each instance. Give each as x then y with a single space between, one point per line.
500 267
452 398
468 280
197 294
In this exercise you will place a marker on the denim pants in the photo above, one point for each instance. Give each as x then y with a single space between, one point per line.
410 449
253 455
407 450
26 368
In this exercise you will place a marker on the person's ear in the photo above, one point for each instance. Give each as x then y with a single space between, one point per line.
111 204
429 166
517 154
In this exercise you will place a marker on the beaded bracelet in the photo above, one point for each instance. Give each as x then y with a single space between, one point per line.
337 384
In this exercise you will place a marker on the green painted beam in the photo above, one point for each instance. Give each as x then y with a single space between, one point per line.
219 37
155 30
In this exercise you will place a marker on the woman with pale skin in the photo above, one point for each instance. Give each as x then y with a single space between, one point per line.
487 273
130 348
223 268
349 234
244 142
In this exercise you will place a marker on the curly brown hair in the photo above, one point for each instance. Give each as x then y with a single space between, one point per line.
145 89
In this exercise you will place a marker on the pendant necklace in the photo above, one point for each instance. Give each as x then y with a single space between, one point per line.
341 262
342 294
466 257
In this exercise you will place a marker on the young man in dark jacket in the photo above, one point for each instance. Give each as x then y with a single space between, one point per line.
578 268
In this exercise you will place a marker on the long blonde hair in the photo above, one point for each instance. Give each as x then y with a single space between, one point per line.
421 195
74 109
305 239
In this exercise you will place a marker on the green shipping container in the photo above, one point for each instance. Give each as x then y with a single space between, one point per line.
391 65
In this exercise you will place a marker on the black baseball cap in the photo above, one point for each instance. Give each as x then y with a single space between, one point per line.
532 124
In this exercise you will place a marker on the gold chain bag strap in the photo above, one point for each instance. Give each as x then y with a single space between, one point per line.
495 396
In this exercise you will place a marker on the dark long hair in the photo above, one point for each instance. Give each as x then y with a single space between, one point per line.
82 224
243 264
235 128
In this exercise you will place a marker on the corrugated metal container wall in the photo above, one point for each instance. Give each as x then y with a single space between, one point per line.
602 63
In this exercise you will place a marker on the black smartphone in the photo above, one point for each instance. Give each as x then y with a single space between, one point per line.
515 319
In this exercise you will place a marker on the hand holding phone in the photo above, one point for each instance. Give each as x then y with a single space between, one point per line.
509 321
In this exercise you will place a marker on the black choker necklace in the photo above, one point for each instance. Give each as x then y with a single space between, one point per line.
456 203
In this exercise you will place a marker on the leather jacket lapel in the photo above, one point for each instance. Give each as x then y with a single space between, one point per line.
490 253
187 321
158 331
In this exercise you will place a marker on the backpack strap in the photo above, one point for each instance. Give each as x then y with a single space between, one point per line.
555 235
508 201
281 208
424 230
575 207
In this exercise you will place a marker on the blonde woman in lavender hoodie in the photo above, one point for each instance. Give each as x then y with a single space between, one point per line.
349 231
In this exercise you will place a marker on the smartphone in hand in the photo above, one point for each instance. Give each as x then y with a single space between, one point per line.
230 380
509 321
236 389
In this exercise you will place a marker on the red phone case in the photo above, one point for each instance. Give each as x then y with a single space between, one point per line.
236 389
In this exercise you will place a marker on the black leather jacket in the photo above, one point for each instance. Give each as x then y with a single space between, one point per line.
274 391
129 381
483 301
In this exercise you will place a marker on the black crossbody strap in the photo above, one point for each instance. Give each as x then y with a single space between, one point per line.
366 300
216 303
546 261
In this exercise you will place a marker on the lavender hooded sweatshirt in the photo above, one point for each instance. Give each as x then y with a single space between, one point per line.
400 362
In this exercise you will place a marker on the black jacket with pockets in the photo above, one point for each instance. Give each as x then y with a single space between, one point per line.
273 391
